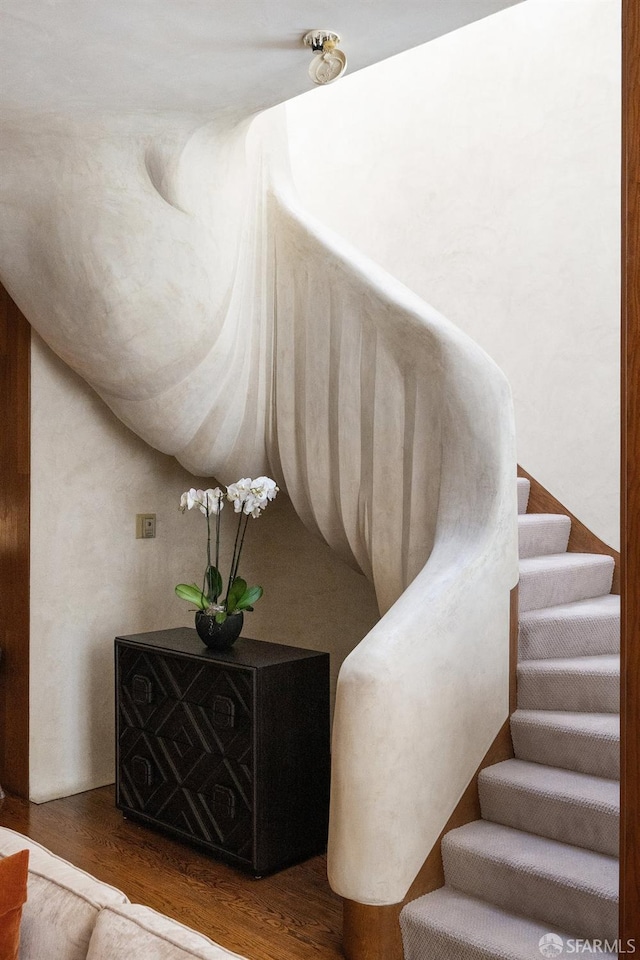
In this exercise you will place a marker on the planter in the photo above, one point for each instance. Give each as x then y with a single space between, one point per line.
218 636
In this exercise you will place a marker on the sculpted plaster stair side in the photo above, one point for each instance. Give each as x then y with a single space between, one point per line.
145 268
230 329
377 430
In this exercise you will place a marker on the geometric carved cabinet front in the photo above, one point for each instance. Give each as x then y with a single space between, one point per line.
226 749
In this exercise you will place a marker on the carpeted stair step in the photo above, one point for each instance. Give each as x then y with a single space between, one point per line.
448 925
543 859
580 684
524 487
563 578
580 629
562 886
542 533
562 805
583 742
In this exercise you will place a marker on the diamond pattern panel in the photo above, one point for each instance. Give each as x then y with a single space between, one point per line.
183 786
186 700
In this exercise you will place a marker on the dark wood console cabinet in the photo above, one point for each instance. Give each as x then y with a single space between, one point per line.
226 749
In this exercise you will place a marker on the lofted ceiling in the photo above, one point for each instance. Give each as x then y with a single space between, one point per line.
196 57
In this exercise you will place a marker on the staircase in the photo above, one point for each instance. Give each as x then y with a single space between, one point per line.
541 865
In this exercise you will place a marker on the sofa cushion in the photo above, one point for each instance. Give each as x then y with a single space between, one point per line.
135 931
63 903
14 871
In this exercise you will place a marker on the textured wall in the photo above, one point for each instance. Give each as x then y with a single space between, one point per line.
91 579
482 170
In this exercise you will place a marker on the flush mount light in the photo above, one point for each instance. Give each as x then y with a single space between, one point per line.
329 63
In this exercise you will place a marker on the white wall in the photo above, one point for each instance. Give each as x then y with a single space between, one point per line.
482 170
91 579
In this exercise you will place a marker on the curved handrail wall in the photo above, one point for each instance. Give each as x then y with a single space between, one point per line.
395 437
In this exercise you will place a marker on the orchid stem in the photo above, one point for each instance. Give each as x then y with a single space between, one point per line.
233 558
217 547
206 585
235 572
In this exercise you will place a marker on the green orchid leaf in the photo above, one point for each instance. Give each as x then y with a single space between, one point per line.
214 581
221 617
238 588
248 598
192 594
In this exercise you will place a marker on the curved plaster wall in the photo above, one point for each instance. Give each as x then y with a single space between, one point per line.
483 170
136 277
394 433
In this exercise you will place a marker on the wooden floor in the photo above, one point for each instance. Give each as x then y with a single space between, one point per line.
292 915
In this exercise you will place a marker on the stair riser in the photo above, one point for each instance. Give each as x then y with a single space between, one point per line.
551 816
448 925
549 588
569 750
577 694
539 640
540 538
547 901
422 942
523 494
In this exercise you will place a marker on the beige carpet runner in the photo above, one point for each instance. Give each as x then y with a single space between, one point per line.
539 872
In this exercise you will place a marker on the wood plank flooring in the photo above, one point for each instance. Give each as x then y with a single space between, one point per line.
292 915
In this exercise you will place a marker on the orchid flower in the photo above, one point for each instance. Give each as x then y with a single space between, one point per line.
249 498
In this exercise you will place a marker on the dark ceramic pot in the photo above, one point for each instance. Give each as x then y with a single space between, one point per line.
218 636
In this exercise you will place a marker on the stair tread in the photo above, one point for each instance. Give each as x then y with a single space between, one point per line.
560 863
564 561
606 606
532 519
537 778
601 664
460 921
602 725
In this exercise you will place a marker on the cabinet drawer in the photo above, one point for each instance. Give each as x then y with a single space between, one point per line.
202 795
185 700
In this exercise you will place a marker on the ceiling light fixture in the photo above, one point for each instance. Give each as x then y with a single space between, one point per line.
329 63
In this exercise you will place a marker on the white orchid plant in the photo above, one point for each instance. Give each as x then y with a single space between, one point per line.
250 499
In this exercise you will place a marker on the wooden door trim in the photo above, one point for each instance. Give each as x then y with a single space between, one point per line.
630 479
15 489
